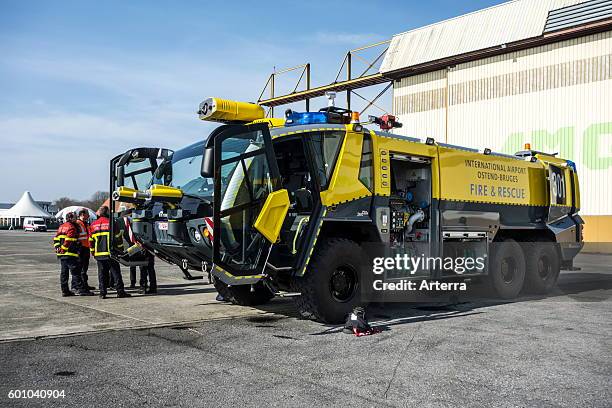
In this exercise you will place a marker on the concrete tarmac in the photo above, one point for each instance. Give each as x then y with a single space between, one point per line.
182 348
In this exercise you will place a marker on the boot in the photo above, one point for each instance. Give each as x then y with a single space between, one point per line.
151 291
85 292
68 293
123 294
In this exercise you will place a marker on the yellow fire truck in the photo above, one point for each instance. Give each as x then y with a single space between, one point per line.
294 205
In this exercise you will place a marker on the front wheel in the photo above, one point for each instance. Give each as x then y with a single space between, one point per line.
507 269
330 287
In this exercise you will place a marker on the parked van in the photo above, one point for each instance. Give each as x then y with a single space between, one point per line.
34 224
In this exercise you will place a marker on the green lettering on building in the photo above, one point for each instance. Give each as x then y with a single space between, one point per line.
592 156
561 141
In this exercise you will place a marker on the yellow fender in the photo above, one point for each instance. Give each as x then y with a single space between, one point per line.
272 215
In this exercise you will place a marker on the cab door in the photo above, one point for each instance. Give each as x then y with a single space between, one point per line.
249 203
131 172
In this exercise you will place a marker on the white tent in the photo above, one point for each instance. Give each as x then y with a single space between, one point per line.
75 209
25 207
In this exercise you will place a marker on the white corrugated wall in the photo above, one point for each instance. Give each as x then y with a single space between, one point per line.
558 97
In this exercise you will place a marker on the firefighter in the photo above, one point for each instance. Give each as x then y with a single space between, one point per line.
67 249
84 252
101 241
147 272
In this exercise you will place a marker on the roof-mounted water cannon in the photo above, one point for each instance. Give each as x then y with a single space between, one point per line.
385 122
226 111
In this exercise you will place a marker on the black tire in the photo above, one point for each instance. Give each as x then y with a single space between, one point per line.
330 288
242 294
543 267
507 269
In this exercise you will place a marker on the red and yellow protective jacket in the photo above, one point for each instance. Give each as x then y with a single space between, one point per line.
66 240
83 233
100 238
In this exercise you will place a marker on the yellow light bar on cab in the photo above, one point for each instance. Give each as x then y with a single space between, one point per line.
226 111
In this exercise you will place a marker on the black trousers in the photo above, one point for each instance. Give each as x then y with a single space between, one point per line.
84 254
107 268
143 276
70 266
148 277
148 271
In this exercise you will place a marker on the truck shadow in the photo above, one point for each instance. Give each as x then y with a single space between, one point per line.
182 289
572 287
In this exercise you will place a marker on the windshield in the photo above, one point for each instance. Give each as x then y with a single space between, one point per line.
186 165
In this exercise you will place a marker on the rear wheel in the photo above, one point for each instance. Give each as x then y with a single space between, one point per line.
243 295
543 267
330 287
507 269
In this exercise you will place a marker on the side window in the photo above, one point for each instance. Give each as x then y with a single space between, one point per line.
326 146
365 168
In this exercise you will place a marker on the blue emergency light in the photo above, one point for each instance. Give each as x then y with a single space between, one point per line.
571 165
330 114
305 118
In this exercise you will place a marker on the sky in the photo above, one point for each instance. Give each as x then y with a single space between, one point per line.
83 81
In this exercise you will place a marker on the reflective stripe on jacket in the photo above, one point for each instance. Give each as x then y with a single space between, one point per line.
83 233
100 238
66 240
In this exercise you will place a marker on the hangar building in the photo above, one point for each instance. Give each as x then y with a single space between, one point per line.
536 71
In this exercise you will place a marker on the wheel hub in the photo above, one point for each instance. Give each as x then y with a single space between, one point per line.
342 283
508 270
544 267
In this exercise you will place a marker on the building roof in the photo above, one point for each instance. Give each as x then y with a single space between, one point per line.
494 27
26 207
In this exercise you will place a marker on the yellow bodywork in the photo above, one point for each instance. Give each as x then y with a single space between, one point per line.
568 175
272 122
476 177
272 215
383 146
457 174
344 184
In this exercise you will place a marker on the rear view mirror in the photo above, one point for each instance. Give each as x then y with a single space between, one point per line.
125 158
164 170
208 166
120 176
